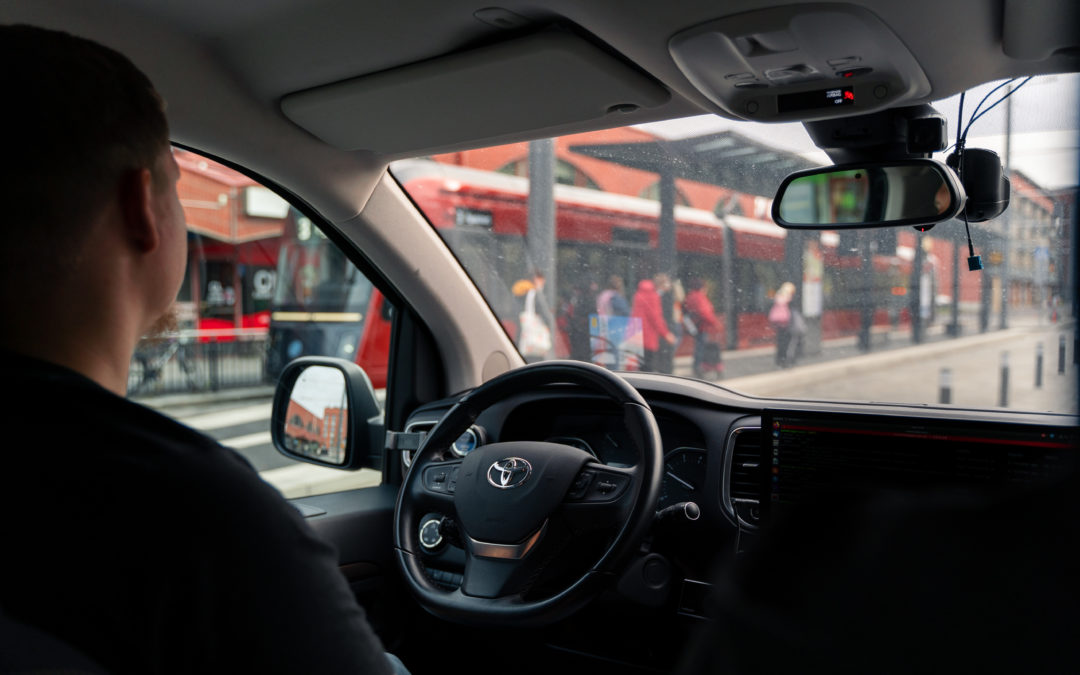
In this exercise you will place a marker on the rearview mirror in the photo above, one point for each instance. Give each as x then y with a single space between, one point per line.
916 192
325 412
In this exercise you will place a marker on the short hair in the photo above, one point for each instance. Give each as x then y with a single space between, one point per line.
76 117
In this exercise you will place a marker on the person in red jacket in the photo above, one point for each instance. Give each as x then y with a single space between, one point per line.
708 331
646 306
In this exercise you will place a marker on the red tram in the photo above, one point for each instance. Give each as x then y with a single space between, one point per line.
599 234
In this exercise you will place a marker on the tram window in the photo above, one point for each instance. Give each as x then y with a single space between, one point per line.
756 283
259 291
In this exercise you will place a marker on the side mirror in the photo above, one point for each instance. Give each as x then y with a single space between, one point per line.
325 412
917 192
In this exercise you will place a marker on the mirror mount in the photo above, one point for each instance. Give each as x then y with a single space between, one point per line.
910 132
325 413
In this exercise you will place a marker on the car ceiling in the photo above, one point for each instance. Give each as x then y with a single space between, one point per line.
226 67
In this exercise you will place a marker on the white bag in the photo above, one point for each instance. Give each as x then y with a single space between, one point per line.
689 326
534 338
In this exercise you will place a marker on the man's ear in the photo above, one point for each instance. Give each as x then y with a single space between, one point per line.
137 208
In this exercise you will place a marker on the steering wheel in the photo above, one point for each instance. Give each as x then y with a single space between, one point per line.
519 506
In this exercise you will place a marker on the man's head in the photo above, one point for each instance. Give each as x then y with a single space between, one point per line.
95 244
76 117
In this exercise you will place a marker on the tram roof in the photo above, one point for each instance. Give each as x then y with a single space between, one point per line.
727 159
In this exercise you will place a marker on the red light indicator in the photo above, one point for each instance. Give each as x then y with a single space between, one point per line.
848 73
849 96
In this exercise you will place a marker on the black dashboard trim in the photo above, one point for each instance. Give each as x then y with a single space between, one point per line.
739 426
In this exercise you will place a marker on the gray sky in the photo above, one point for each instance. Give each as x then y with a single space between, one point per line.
1045 126
318 388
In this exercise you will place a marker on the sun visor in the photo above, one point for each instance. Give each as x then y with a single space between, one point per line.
534 82
1034 30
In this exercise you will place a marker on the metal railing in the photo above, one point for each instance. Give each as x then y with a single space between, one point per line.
195 361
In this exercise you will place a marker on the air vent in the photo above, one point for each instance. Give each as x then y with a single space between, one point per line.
743 475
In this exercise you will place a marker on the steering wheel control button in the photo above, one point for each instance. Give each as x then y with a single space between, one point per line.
580 485
430 534
441 478
509 473
606 487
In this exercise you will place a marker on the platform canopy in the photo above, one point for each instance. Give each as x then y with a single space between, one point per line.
727 159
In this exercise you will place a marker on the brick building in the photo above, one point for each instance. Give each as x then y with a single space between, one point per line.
238 223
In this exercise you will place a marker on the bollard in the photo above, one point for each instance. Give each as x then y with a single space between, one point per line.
1038 365
945 386
1061 354
1004 400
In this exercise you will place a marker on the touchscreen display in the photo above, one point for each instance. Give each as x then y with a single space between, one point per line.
812 455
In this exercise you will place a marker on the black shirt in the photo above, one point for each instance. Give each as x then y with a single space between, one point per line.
153 549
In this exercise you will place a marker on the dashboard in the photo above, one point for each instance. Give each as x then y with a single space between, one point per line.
745 461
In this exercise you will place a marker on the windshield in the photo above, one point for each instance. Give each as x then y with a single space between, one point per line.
651 248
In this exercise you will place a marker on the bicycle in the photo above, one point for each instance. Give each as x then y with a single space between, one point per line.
151 358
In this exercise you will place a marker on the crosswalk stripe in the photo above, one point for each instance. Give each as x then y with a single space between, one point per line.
250 440
228 418
300 480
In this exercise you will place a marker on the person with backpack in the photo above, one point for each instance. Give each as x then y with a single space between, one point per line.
700 321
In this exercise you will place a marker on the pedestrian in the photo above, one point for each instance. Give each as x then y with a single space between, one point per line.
707 330
646 307
670 308
535 320
780 317
519 289
573 321
612 300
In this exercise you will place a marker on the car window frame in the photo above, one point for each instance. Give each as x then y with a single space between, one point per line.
379 281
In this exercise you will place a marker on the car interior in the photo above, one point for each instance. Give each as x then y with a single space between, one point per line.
524 514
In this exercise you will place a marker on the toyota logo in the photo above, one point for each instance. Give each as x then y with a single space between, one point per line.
509 473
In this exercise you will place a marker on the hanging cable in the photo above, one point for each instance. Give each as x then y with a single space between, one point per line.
957 157
1010 93
979 106
974 261
959 127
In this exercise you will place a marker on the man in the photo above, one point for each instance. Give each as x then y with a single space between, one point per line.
699 310
669 307
647 307
138 541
